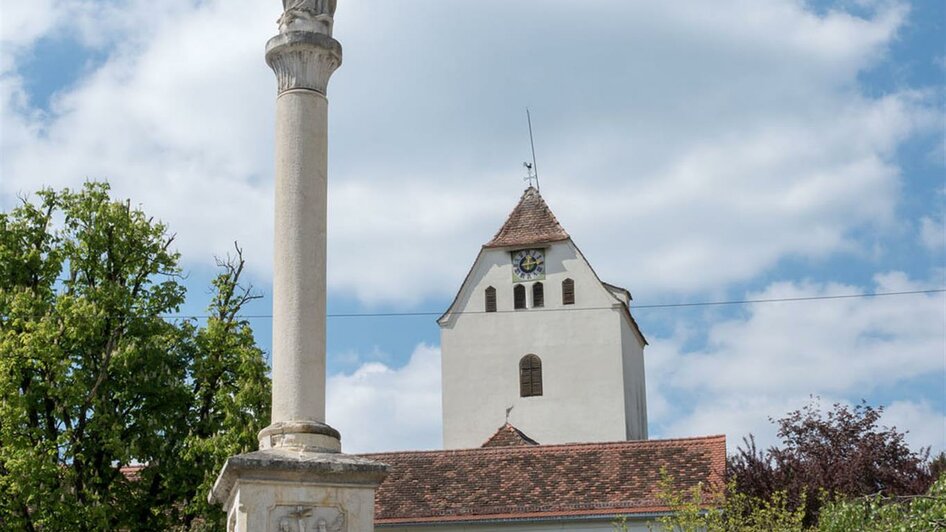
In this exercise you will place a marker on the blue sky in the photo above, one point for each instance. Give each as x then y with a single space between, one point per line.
695 151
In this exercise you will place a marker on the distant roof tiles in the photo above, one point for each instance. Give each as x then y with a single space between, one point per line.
531 222
541 481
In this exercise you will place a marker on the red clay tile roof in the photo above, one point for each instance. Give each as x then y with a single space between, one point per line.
132 472
506 436
541 481
531 222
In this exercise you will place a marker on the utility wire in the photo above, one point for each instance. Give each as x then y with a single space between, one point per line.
790 299
633 307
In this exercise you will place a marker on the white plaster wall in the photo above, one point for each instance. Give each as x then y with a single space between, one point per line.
635 390
551 526
583 363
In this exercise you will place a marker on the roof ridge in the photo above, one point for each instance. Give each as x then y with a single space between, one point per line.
550 447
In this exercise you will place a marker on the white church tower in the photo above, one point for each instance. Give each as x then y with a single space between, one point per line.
534 338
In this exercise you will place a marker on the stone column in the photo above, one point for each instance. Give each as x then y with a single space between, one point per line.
303 62
299 480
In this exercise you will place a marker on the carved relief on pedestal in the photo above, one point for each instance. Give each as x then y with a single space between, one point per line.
306 518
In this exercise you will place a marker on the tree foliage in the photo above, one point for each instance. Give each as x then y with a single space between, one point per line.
918 513
841 453
94 378
702 510
834 471
724 508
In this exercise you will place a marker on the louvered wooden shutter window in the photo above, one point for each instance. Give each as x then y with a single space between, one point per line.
490 299
538 295
530 376
568 292
519 296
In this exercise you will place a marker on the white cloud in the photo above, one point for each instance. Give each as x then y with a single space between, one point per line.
674 136
933 232
164 119
738 415
924 425
771 359
379 408
21 24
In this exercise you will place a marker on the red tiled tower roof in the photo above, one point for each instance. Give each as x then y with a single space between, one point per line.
542 481
531 222
506 436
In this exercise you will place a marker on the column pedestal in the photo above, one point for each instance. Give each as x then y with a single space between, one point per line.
281 490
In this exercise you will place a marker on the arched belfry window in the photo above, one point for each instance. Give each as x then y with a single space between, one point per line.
490 299
568 292
530 376
538 295
519 296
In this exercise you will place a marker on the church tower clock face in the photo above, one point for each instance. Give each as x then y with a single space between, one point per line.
528 265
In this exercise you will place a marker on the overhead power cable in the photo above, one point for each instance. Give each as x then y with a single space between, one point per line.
580 309
791 299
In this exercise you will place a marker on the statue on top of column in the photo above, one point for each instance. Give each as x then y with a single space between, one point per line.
307 15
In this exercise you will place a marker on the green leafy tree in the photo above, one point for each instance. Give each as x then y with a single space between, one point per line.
919 513
699 510
711 509
94 379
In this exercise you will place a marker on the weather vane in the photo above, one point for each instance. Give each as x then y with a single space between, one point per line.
531 168
531 175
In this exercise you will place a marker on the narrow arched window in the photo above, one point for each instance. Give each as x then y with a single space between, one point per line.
568 292
538 295
530 376
519 296
490 299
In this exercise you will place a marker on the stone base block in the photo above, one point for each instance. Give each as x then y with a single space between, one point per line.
283 490
309 436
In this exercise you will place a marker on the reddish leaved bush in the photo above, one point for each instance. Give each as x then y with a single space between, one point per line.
842 452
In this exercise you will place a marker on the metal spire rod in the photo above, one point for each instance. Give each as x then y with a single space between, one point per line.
535 168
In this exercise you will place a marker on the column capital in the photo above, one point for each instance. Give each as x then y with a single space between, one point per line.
303 60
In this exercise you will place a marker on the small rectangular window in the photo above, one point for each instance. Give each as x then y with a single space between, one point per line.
530 376
538 295
568 292
519 297
490 299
